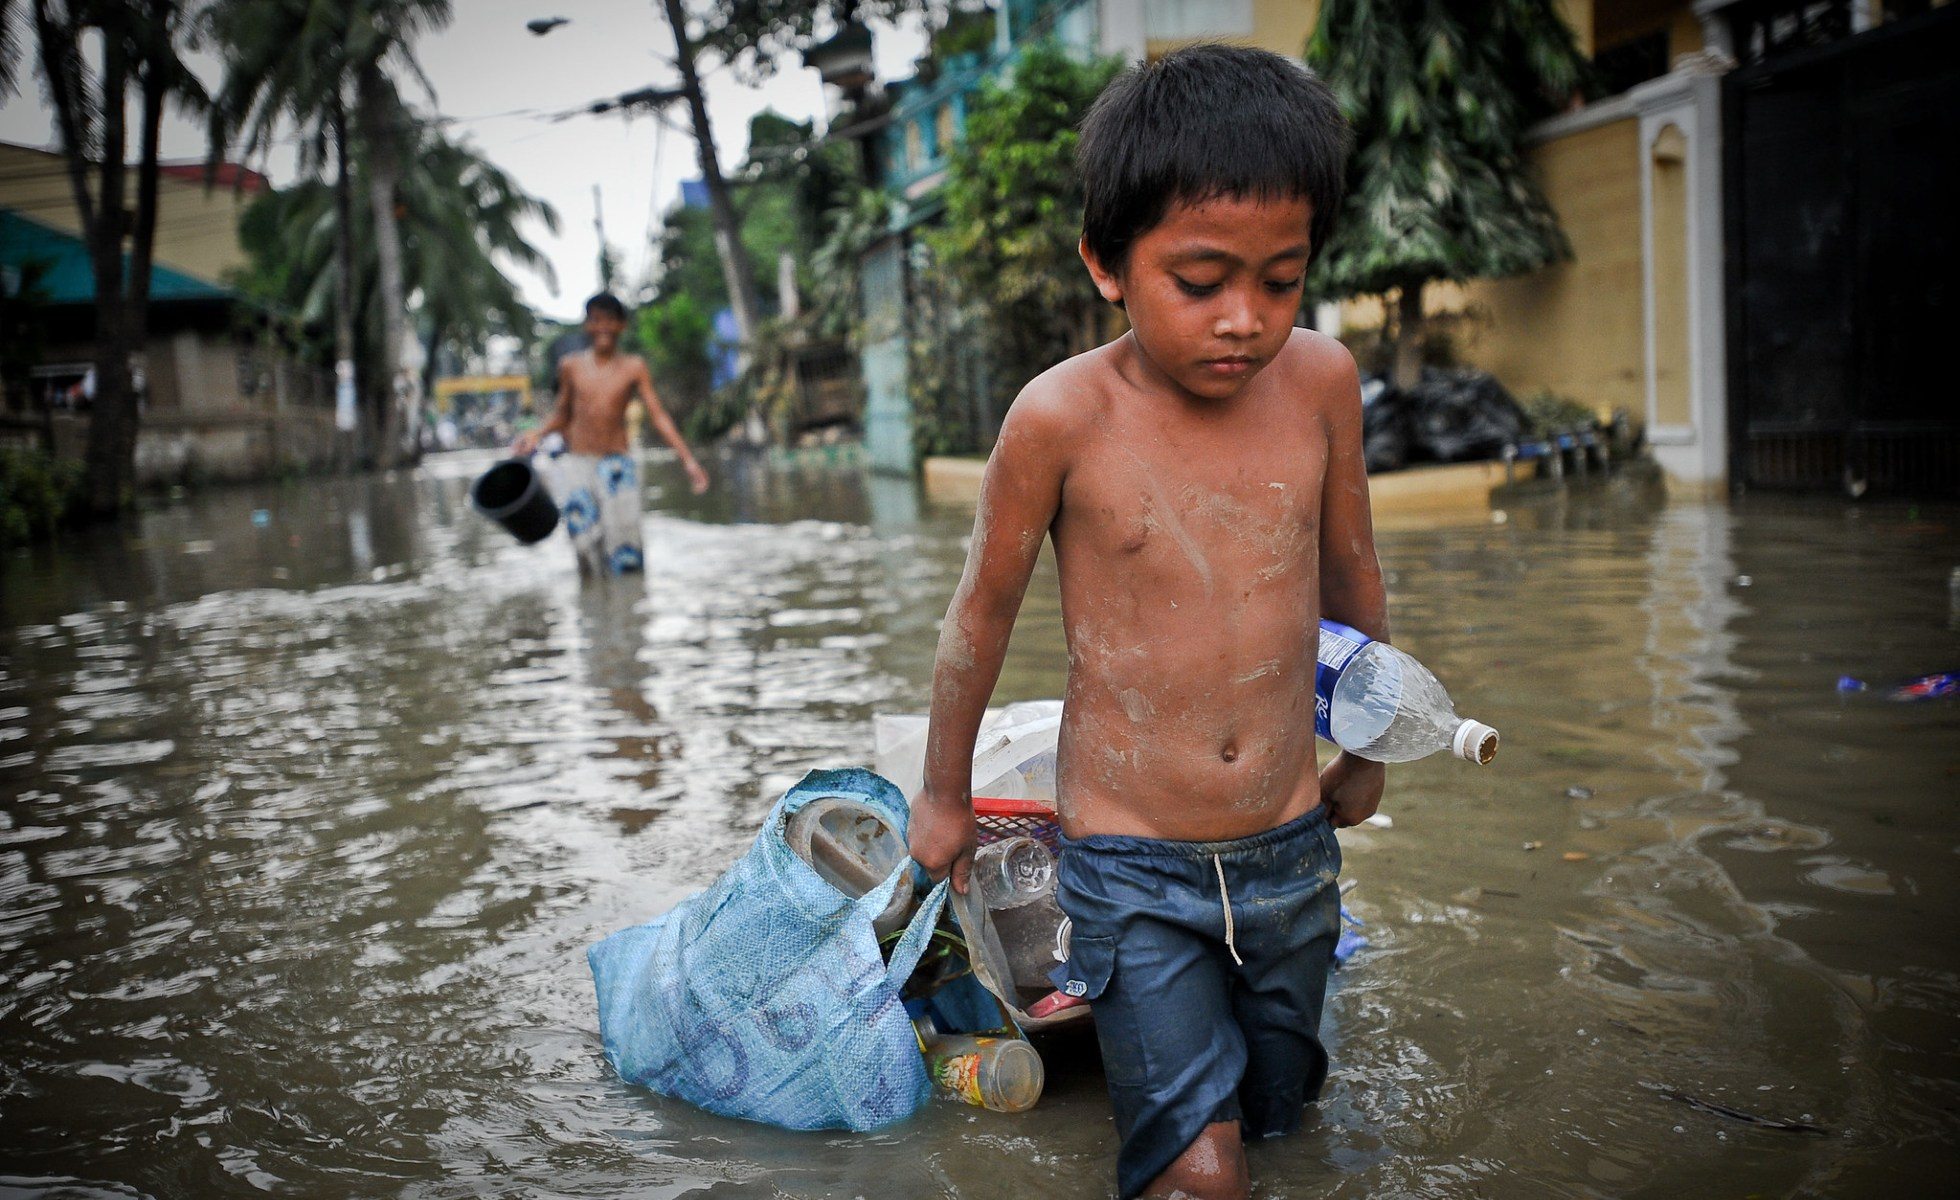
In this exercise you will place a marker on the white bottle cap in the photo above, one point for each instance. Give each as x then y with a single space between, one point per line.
1475 742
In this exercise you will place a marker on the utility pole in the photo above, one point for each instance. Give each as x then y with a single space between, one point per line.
607 267
735 271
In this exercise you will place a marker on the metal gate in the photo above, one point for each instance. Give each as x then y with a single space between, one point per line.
1843 180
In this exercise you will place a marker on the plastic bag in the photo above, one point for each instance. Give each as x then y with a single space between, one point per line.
1013 754
765 996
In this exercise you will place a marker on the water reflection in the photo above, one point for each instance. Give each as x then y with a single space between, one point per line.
309 822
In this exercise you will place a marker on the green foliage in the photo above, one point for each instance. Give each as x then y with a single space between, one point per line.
461 220
943 419
964 33
1439 93
758 36
1007 245
38 493
851 228
1549 412
674 333
795 195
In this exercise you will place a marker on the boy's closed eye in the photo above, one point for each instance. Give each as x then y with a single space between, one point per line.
1278 287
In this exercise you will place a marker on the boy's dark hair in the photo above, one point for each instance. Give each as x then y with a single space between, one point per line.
1202 122
606 304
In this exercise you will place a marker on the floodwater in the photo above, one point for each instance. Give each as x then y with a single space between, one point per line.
308 824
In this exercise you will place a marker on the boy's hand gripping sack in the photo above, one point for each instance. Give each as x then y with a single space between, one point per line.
765 996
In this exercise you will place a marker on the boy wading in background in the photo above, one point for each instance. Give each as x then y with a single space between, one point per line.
1202 480
597 480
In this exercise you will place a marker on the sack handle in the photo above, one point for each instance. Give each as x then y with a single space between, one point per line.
905 955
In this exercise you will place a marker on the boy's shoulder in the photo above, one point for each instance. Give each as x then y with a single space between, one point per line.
1065 399
1313 358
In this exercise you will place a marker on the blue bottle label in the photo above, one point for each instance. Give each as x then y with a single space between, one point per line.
1338 646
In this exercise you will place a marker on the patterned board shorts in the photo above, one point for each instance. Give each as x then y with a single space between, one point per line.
599 500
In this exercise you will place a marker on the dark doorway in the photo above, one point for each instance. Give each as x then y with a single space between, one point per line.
1842 179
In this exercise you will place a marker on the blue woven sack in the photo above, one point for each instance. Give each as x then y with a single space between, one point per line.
765 996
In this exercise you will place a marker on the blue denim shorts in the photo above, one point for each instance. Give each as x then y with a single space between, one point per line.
1207 964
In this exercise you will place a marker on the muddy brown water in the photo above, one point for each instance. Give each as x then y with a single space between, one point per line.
308 824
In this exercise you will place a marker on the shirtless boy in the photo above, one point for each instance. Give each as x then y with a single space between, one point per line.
598 478
1202 480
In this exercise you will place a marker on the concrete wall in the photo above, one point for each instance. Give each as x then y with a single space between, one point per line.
173 449
199 421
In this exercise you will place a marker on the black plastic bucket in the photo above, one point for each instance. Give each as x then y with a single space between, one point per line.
512 495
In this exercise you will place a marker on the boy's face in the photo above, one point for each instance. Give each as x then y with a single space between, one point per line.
604 330
1212 289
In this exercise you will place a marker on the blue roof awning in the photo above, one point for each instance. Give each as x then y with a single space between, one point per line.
64 273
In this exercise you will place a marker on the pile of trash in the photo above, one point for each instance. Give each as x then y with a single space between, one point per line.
1452 415
824 983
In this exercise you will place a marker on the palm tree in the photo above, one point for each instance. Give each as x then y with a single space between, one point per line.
92 56
461 220
1439 93
9 51
316 64
283 69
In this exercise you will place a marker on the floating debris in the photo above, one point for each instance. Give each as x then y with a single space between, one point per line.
1736 1114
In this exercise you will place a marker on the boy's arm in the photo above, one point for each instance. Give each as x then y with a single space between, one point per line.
665 427
1351 589
559 420
1019 496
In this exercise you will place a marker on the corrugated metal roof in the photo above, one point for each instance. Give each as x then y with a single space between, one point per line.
65 274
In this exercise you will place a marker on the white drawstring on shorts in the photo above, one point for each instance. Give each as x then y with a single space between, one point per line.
1225 898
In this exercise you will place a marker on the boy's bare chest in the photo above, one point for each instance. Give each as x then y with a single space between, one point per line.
1204 508
603 387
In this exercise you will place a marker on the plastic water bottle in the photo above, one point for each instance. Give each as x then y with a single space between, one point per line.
1375 701
1014 872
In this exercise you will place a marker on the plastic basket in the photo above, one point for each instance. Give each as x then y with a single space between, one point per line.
998 818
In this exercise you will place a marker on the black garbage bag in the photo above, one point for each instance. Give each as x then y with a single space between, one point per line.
1384 425
1458 415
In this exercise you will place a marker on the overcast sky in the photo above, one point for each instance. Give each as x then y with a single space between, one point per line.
492 74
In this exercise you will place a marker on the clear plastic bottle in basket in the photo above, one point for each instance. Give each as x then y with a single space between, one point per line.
1013 872
1377 702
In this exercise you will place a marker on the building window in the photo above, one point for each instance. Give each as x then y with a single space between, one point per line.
947 128
915 148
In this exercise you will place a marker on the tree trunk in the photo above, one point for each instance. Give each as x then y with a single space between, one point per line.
384 168
112 417
343 276
1406 364
735 270
122 432
438 330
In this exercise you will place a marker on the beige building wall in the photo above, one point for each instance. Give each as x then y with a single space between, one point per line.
197 230
1574 328
1672 355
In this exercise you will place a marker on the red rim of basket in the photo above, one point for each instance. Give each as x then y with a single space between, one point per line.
997 806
